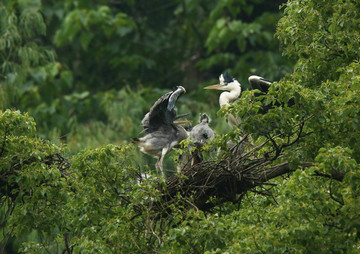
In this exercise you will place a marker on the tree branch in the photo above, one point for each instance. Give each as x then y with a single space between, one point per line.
232 176
225 180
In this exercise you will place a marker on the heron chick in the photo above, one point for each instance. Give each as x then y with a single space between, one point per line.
162 132
200 134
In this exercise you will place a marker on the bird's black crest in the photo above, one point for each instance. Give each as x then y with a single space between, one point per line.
227 77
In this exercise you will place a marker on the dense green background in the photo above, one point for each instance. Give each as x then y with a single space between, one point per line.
88 71
83 74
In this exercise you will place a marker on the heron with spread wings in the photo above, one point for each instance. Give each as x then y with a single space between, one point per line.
162 132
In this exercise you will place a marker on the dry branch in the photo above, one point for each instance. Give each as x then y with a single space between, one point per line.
226 180
235 174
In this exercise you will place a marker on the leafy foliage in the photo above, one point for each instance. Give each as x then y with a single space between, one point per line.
103 47
88 71
31 183
24 59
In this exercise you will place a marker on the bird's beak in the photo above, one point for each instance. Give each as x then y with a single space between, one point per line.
217 86
181 122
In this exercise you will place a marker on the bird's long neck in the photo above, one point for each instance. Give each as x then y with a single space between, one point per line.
228 97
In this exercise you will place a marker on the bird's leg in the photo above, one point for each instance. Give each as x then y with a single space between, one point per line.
159 163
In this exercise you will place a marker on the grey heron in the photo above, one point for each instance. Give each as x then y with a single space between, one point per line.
200 134
162 133
233 90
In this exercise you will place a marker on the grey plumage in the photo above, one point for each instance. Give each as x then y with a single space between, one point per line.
200 134
163 112
162 134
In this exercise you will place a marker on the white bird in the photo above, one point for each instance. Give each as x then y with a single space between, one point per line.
162 133
233 90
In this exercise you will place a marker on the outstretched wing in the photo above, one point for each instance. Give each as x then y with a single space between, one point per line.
162 112
173 98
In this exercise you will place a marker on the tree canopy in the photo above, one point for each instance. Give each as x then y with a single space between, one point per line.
77 77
